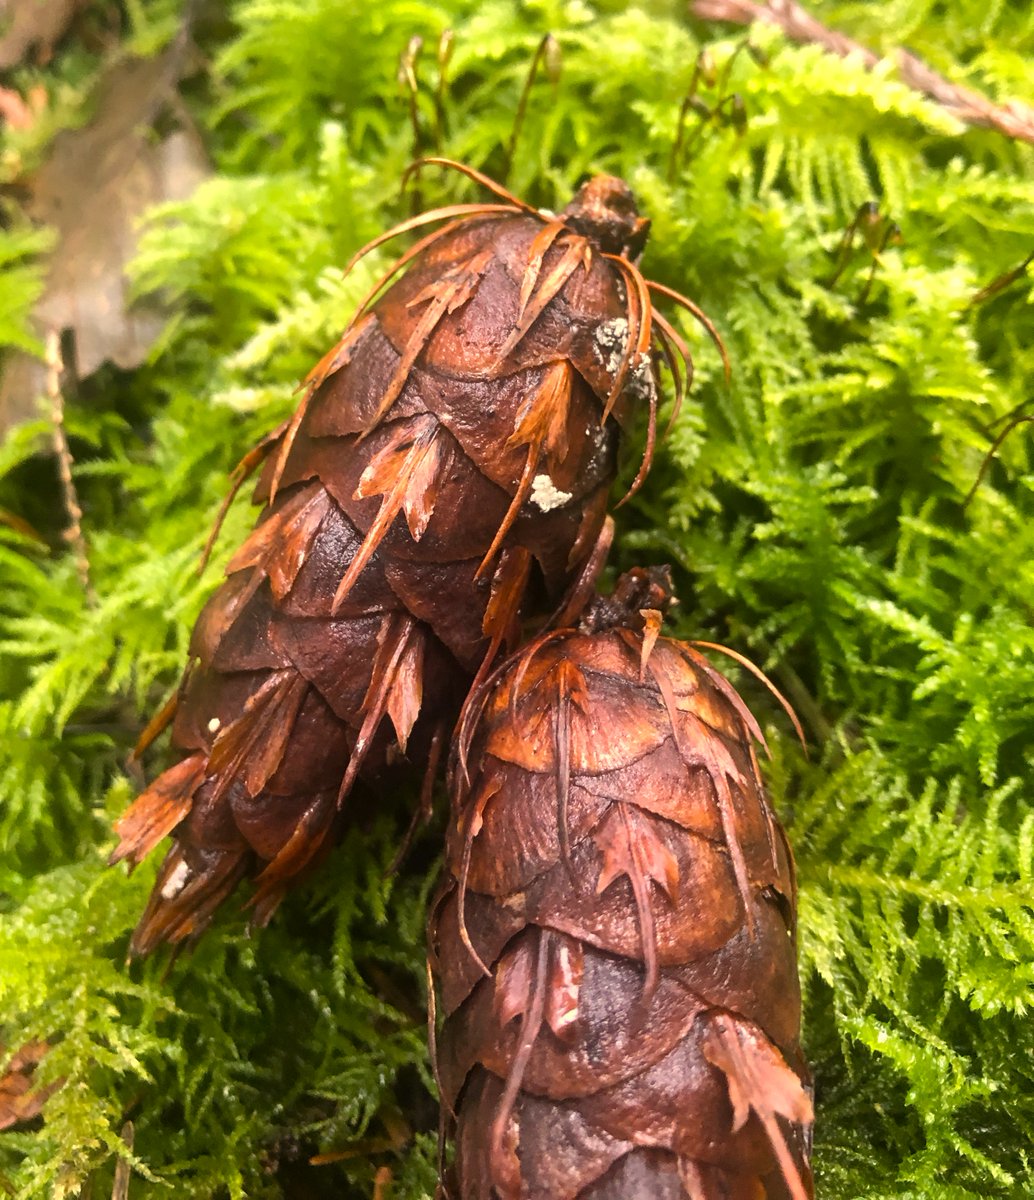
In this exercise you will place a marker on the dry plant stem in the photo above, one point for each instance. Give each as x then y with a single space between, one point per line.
382 1183
73 533
1000 283
1014 119
120 1186
548 50
989 456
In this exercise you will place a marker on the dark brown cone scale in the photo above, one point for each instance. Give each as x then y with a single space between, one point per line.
614 940
443 483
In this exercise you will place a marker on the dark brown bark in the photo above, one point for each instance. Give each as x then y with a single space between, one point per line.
614 940
441 487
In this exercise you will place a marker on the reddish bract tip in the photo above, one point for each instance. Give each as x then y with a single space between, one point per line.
604 210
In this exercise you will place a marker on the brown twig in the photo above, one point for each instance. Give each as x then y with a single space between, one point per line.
1014 119
999 284
989 456
73 533
120 1186
548 52
382 1183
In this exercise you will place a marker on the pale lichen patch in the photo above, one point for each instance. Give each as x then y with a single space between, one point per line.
546 495
176 881
612 340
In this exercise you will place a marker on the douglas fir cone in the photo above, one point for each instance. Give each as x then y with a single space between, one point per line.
443 480
614 939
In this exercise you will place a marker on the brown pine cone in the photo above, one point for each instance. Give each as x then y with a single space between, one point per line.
614 939
443 482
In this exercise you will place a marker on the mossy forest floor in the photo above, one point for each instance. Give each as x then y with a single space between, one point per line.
814 510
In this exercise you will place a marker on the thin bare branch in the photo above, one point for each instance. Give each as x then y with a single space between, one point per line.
1014 119
73 533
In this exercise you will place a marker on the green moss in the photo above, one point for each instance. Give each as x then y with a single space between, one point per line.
814 510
